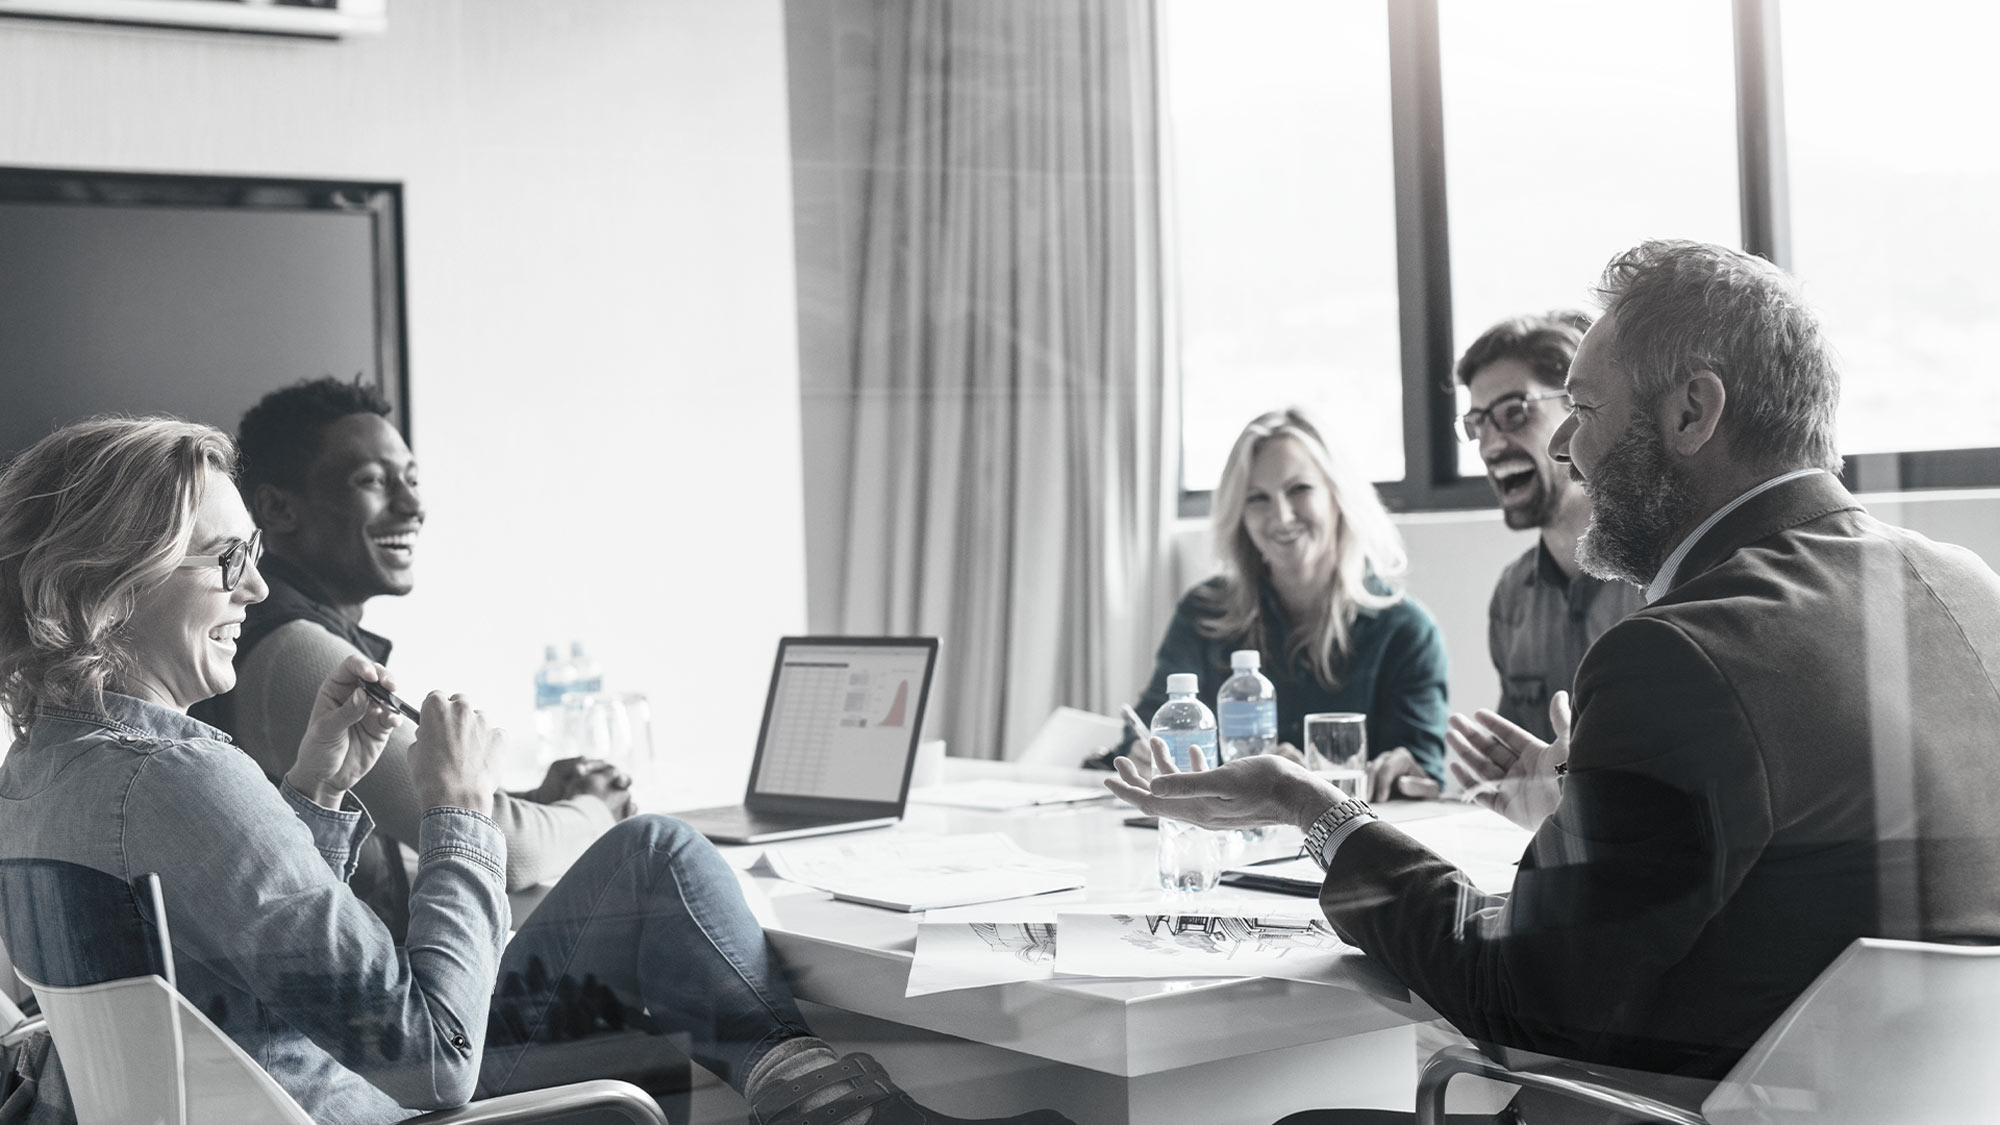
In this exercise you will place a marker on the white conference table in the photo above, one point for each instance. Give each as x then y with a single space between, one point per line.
1217 1051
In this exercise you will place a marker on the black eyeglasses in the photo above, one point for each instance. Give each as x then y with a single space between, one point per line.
234 559
1506 413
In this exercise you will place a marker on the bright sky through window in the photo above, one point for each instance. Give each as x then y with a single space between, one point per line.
1284 223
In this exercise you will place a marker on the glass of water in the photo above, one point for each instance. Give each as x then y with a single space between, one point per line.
1190 857
1337 749
614 726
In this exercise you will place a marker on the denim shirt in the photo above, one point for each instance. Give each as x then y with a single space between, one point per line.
268 940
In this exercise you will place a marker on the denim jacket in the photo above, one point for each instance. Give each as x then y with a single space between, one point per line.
268 940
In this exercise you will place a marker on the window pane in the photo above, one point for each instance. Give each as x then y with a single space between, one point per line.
1284 212
1573 130
1895 171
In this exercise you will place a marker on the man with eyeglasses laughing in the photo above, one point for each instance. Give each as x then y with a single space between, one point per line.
1545 612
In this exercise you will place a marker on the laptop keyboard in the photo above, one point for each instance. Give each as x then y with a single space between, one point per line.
738 815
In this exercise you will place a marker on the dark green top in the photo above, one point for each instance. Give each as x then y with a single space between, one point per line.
1395 674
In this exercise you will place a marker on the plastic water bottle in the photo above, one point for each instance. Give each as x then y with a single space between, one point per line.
1246 709
1182 722
1190 856
584 674
552 680
1246 721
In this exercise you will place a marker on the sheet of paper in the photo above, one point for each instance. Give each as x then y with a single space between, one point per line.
1485 845
921 870
1290 946
993 943
978 946
995 794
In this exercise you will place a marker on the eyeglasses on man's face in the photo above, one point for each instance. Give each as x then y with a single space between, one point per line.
1505 414
234 559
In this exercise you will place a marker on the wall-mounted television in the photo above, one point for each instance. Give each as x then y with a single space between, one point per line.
140 293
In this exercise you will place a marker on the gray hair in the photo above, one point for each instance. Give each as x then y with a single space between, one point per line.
1685 306
91 517
1366 547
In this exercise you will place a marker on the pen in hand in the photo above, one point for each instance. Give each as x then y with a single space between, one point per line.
388 698
1139 730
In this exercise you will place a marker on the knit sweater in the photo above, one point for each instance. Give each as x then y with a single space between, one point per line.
276 684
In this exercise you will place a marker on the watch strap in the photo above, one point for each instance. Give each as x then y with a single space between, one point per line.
1329 821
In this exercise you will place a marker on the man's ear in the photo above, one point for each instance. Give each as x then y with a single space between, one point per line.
1691 414
275 510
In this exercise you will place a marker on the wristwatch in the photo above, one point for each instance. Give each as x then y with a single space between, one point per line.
1328 821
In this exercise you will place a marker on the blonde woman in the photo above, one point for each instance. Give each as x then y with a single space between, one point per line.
1310 570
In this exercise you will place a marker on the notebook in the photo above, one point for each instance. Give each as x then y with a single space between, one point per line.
839 737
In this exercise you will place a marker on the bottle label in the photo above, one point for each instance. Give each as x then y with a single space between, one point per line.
1247 718
1178 742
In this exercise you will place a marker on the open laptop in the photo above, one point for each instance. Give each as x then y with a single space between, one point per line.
839 738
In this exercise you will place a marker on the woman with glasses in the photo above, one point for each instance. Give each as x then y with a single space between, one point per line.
126 561
1310 565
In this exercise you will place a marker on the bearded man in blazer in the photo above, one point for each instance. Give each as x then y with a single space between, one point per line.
1791 746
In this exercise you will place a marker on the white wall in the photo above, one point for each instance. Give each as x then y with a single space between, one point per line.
601 313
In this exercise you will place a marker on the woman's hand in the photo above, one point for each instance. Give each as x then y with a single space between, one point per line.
451 761
345 735
1397 774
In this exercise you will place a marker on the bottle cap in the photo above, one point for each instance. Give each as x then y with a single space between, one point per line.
549 653
1245 658
1183 683
576 649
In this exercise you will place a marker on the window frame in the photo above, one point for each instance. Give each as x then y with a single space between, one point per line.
1431 480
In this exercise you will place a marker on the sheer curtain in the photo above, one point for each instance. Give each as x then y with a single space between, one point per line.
1014 453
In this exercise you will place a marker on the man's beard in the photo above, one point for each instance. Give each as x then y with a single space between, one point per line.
1638 499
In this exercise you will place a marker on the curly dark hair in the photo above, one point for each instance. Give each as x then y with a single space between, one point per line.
279 437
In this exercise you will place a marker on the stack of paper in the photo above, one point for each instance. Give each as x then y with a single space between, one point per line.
921 870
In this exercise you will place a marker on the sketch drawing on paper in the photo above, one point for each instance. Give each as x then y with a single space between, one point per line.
1032 943
1229 937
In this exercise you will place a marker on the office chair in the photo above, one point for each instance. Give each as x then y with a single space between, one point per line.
135 1050
1891 1031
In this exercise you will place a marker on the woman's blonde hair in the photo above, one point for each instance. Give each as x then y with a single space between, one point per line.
1366 547
91 517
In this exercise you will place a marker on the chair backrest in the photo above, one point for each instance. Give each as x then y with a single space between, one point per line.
1891 1031
108 925
135 1052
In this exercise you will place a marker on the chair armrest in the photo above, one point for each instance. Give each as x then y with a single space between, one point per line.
1557 1078
604 1094
21 1029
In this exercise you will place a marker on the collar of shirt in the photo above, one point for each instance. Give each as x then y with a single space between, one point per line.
122 714
1664 580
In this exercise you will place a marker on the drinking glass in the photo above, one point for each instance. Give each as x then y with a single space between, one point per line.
1190 857
1337 749
612 725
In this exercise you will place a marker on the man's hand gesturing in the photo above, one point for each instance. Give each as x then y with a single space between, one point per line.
1507 769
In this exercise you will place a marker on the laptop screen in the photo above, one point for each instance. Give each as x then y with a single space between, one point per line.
842 718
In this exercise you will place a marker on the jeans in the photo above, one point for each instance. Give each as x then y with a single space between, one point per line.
648 931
